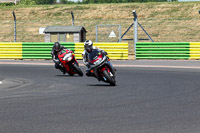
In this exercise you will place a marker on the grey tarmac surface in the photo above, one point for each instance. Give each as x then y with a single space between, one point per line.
151 96
121 63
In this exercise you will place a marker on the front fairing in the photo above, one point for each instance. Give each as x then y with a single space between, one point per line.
98 63
65 56
67 59
96 58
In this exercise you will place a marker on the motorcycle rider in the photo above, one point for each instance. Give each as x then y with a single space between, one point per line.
88 47
54 53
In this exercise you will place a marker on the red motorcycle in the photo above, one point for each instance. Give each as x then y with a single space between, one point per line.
100 67
68 61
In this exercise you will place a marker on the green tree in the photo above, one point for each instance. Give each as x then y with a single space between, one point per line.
44 2
68 2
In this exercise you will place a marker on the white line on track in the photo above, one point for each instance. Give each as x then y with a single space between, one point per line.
159 66
152 66
25 63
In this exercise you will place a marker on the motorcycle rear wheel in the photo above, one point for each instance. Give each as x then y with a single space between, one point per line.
109 78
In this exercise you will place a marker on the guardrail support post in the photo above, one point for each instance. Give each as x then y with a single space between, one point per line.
119 33
96 33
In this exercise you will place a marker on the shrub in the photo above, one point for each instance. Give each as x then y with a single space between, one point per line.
27 2
7 4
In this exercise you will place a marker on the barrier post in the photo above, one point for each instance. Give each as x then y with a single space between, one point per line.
96 33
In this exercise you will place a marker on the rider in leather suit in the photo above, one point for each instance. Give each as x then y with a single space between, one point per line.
54 53
88 46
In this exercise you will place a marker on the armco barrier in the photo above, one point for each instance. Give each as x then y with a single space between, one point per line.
167 50
195 50
10 50
114 50
39 50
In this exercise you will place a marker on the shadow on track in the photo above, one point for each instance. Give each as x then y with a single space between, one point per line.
100 85
67 76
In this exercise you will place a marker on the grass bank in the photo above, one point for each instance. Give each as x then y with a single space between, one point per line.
165 22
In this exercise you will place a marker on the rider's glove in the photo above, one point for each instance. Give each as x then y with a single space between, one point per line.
87 64
104 52
56 61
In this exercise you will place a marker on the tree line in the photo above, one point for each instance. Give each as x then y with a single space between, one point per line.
118 1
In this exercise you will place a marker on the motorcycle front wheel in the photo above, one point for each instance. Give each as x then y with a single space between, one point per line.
77 69
109 79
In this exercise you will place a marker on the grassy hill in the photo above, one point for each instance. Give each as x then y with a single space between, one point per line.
176 22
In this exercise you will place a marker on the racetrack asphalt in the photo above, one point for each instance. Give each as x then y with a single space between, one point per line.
121 63
151 96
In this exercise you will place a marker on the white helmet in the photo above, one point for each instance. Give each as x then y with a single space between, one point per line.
88 45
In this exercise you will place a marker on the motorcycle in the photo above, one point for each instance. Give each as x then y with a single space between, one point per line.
100 68
69 63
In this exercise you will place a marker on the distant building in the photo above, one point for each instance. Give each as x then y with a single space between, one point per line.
65 34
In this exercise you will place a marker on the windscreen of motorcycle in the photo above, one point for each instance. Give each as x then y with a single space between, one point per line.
95 57
63 52
65 55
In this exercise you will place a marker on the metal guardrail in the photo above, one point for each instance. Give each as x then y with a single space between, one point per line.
39 50
10 50
168 50
114 50
195 50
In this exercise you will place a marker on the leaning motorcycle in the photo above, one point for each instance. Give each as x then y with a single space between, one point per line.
69 63
100 68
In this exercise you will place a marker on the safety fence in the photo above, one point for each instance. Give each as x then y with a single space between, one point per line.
39 50
168 50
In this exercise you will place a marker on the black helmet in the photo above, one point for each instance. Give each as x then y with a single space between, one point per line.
57 46
88 45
